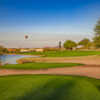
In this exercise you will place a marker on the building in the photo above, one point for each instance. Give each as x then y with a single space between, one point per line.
31 50
11 49
24 50
39 49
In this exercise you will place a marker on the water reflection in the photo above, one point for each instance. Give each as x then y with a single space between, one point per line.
11 59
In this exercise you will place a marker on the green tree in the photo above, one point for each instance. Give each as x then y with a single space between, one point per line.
69 44
97 41
2 50
97 29
97 35
86 43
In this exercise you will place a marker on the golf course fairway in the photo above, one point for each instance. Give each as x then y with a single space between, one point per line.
48 87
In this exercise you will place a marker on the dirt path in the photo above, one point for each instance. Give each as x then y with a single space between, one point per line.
91 68
87 60
90 71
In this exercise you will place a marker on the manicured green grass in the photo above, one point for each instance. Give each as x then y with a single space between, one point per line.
39 65
45 87
65 53
71 53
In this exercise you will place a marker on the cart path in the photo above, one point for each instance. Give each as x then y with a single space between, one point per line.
87 60
86 70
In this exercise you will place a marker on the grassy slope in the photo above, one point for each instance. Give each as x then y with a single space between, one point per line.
65 53
39 65
41 87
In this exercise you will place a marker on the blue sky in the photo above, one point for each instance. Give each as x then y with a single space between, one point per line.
46 21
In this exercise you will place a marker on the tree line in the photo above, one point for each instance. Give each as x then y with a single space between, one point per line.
86 43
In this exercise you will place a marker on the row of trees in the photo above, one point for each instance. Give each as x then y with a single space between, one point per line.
86 43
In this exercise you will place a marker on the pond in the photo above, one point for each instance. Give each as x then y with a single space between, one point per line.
11 59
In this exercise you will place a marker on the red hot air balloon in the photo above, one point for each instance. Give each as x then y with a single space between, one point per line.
26 37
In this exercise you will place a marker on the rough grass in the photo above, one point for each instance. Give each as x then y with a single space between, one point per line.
65 53
39 65
45 87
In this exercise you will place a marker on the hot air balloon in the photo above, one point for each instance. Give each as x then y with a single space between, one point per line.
26 36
